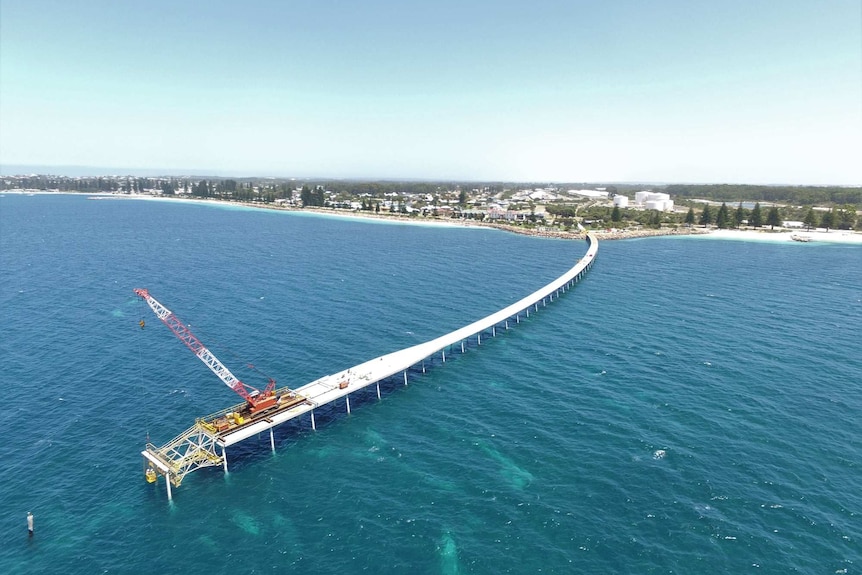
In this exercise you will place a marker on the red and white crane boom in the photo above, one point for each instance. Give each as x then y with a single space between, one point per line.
257 400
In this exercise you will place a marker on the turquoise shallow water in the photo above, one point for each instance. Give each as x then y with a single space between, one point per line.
691 407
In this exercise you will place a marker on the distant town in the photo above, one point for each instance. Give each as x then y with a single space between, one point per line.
535 206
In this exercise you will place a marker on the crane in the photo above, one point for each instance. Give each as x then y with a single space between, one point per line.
257 400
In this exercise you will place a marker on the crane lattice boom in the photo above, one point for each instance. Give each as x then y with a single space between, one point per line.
255 398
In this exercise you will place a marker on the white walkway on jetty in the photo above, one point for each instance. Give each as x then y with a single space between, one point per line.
195 448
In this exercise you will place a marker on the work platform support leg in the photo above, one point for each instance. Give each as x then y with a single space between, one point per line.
271 440
378 391
493 331
444 356
423 366
528 312
224 457
507 325
462 346
405 377
478 339
347 399
537 306
313 427
168 485
518 318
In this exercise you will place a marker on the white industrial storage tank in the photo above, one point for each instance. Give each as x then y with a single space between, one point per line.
641 197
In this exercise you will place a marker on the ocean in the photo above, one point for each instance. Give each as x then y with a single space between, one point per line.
692 406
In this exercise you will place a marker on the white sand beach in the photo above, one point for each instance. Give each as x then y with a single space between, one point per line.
765 235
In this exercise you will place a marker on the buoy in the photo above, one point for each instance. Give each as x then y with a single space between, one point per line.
150 475
142 324
30 523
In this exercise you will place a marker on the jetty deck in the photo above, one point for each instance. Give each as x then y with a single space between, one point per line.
205 444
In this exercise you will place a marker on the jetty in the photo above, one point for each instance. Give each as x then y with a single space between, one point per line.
205 443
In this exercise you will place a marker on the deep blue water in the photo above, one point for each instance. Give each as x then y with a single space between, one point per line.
540 452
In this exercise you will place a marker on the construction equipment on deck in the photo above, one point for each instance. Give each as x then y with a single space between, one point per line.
257 401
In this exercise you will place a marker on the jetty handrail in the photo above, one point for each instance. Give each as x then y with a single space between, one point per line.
520 305
404 359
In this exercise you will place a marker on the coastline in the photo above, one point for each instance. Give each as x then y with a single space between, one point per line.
409 220
760 235
785 236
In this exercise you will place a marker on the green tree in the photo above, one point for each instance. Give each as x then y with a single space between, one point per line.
827 220
201 189
615 214
705 216
462 198
689 217
845 217
318 197
723 218
810 220
739 216
655 219
773 218
756 219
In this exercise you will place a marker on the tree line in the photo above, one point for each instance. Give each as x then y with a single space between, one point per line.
723 217
842 217
797 195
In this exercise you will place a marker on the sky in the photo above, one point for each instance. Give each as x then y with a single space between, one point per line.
693 91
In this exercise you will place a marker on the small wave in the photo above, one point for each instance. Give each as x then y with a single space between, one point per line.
659 454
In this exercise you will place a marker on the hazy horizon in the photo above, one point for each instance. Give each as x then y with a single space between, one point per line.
90 171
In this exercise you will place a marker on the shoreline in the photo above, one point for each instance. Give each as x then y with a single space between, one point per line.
760 235
789 236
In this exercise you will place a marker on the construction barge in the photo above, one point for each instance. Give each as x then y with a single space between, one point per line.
205 443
